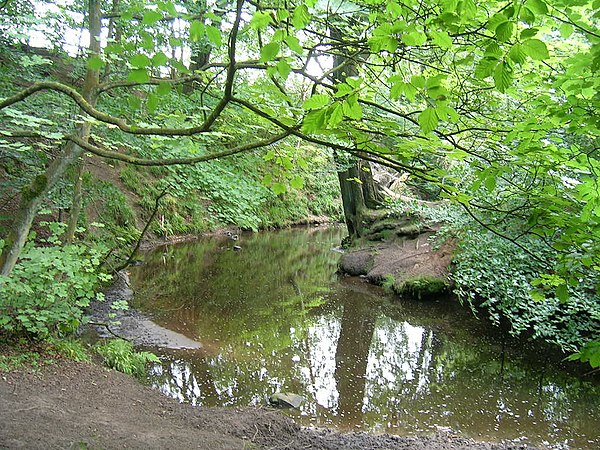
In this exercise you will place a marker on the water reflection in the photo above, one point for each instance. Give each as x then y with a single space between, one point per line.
274 317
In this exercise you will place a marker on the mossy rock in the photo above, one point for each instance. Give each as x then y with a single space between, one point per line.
422 287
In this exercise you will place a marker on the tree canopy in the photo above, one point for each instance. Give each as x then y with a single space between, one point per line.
495 102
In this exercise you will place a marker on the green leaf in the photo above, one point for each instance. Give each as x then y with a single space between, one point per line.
138 76
566 30
267 179
428 120
535 49
163 89
485 68
468 10
504 31
414 38
214 35
95 63
527 16
537 6
301 17
314 121
160 59
278 188
197 30
260 20
562 293
139 61
517 54
352 108
503 76
417 81
283 68
113 48
490 182
297 182
446 113
316 101
134 102
528 33
269 52
152 102
336 114
441 38
294 44
282 14
151 17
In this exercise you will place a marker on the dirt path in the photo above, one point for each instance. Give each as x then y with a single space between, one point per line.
80 405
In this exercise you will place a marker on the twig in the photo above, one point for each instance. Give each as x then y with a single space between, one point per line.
139 241
105 325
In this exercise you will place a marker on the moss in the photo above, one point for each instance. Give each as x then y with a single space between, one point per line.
35 188
422 287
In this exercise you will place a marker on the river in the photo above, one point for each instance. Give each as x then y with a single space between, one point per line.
273 316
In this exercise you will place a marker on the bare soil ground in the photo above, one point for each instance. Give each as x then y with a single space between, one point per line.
82 405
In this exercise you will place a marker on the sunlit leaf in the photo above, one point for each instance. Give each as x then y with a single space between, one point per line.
294 44
214 35
139 61
301 17
260 20
95 63
297 182
278 188
197 30
535 49
428 120
503 76
138 76
316 101
151 17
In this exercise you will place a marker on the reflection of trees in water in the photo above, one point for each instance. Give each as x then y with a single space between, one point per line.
357 363
255 288
188 380
352 356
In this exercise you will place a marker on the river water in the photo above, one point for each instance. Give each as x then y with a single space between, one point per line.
274 317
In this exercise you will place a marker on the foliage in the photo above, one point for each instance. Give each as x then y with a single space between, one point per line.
590 352
49 288
70 348
8 363
491 105
119 354
499 277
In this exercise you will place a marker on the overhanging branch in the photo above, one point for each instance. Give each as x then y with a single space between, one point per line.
110 154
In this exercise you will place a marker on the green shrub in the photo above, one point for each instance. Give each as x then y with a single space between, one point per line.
71 349
119 354
495 275
49 289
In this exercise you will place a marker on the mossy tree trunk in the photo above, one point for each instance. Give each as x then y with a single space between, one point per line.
359 190
33 195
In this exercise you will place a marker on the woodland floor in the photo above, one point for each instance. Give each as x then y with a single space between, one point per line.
73 405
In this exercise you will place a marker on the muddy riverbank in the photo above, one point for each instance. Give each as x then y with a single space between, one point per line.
82 405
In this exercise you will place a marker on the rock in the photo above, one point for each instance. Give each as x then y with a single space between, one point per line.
286 400
356 263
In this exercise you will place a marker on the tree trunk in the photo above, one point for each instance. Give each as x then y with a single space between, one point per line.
359 191
33 195
371 191
76 204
